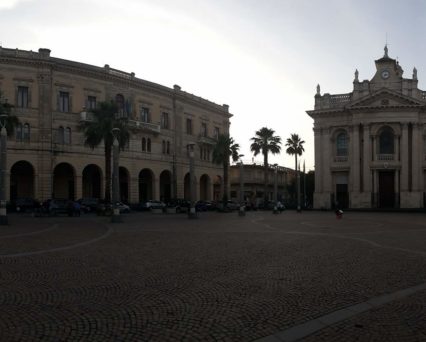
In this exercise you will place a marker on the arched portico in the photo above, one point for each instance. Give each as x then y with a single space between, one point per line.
205 188
21 180
63 181
124 184
165 186
146 185
92 181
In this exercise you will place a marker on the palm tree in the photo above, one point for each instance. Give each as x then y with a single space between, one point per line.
11 120
224 149
98 129
295 146
264 142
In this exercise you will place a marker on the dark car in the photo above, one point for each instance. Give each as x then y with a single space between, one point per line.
57 206
203 205
181 205
230 205
22 205
88 204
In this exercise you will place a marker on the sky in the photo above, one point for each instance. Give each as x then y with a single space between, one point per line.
262 58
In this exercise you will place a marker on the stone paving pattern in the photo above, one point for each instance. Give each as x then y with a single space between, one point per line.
218 278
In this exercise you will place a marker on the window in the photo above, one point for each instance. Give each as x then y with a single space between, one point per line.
386 141
165 120
91 102
22 97
216 132
188 126
61 134
203 129
119 101
19 132
143 144
67 136
148 145
168 147
164 147
64 102
26 133
144 114
342 144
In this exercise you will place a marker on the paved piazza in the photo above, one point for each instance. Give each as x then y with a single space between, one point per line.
265 277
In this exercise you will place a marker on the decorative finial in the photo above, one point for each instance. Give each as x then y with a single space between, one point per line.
414 73
318 89
386 51
356 75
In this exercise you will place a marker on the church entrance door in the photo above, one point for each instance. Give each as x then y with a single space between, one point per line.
386 189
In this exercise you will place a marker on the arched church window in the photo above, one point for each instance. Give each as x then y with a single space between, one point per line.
386 141
342 144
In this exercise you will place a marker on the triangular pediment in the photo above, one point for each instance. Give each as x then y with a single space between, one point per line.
386 98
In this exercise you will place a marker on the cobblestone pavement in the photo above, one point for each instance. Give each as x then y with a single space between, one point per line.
218 278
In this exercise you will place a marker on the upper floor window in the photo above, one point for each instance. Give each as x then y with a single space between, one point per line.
163 150
23 132
216 132
22 100
91 102
386 141
168 147
146 144
203 129
61 133
165 120
119 101
144 114
64 102
67 136
188 126
342 144
143 144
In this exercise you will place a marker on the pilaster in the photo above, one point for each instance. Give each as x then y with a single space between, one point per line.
404 157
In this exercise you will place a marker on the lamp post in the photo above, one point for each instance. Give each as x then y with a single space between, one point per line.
242 211
275 188
115 176
192 213
3 160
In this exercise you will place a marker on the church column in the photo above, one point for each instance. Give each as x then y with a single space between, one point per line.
318 161
404 157
327 154
354 140
367 159
416 157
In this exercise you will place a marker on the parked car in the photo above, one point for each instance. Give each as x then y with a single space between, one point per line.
249 206
57 206
152 204
181 205
24 204
230 205
124 208
88 204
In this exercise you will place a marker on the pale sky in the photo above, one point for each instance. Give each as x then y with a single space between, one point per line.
262 58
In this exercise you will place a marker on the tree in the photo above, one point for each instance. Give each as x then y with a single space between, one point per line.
98 129
11 120
264 142
224 149
295 147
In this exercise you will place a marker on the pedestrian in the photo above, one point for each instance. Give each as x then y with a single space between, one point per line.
77 208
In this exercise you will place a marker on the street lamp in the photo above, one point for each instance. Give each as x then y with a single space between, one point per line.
242 211
3 160
115 176
192 213
275 188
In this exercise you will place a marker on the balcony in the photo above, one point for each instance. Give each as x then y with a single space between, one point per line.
206 140
144 126
340 159
385 157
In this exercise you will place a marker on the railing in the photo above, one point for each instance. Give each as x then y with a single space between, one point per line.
206 140
155 128
385 157
340 159
340 98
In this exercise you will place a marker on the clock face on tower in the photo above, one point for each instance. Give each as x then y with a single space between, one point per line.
385 74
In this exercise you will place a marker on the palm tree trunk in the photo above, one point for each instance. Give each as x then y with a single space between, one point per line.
107 173
225 183
265 178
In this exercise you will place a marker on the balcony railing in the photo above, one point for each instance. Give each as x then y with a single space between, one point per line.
340 159
145 126
385 157
206 140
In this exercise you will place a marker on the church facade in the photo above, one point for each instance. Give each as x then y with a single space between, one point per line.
370 144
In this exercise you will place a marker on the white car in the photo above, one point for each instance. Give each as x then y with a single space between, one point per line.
124 208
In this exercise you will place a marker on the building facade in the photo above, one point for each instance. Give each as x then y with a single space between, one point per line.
252 178
370 143
47 157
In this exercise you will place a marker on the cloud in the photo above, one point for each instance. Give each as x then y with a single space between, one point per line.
9 4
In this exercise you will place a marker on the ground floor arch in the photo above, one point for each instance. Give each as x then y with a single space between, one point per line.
146 185
63 181
205 187
92 181
21 180
165 186
217 188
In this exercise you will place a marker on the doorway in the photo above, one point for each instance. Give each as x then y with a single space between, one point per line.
386 189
